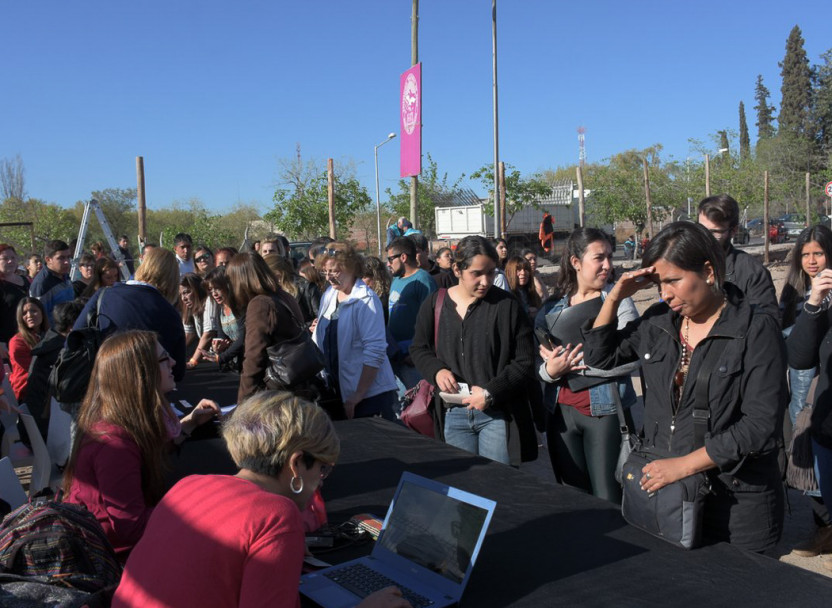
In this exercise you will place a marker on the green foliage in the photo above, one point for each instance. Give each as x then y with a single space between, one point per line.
50 222
823 103
520 191
434 191
796 104
303 212
765 112
745 141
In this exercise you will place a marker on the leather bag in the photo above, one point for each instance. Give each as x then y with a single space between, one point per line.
417 413
293 361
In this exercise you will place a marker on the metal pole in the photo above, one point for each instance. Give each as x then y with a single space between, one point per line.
331 196
765 216
502 199
650 234
414 59
581 201
707 175
497 219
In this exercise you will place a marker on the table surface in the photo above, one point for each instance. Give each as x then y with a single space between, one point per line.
552 545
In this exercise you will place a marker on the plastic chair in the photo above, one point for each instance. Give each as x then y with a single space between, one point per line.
58 437
42 465
10 489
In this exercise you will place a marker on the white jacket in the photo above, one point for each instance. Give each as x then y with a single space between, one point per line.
361 339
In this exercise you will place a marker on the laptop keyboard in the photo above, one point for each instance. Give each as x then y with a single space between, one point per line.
362 581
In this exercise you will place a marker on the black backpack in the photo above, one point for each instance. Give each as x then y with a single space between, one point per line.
70 377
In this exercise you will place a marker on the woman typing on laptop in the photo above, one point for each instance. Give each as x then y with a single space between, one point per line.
220 540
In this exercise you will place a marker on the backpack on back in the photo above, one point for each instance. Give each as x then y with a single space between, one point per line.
57 543
70 377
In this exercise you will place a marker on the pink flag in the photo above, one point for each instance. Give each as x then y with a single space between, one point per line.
411 121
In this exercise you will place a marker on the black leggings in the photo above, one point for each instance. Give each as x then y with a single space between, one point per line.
584 450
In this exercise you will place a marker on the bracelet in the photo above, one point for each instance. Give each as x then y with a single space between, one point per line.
811 309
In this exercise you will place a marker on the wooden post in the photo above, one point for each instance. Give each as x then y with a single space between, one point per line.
502 199
142 203
330 180
808 203
414 59
581 202
765 216
650 234
707 175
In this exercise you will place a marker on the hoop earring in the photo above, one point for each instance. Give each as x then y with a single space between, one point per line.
292 485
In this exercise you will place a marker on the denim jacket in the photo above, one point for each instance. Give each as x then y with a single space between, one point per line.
601 397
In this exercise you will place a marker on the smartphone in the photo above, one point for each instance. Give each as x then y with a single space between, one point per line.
545 338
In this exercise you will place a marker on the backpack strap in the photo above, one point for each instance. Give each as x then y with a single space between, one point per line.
437 312
701 409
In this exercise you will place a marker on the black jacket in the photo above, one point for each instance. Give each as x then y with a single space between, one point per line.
496 353
810 345
754 280
38 399
746 394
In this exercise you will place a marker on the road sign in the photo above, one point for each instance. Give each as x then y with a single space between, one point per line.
829 189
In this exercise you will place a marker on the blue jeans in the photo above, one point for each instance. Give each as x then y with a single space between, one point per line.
481 433
800 381
823 467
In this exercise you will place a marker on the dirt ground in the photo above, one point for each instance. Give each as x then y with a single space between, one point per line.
798 523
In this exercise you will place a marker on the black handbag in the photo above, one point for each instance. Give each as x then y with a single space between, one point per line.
293 361
673 513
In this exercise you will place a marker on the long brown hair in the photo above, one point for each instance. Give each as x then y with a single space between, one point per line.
125 391
249 276
283 271
514 264
195 283
102 265
31 337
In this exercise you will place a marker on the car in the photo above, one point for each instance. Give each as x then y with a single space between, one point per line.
298 250
755 225
795 223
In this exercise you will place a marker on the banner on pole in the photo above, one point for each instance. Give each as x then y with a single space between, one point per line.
410 144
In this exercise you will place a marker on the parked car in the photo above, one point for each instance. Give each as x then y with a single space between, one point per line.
795 223
755 225
776 231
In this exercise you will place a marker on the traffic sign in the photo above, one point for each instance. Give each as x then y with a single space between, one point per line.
829 189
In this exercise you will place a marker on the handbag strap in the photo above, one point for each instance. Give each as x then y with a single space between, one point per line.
276 297
437 312
701 406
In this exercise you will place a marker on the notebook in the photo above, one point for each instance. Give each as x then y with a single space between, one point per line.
429 542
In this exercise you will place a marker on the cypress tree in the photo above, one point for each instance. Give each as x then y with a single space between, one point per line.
823 102
765 112
745 142
796 103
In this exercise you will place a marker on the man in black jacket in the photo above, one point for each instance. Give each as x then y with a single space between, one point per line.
720 214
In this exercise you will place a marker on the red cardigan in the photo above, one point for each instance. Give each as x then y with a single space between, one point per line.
20 355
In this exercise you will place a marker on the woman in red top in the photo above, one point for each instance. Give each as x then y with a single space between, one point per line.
31 324
125 426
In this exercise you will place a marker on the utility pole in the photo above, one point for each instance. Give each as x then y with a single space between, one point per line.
807 200
581 202
707 175
765 216
414 59
497 219
649 204
330 182
502 199
142 203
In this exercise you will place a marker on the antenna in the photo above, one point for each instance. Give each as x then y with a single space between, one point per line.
581 147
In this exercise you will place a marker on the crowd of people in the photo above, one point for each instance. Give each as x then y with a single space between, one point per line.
511 358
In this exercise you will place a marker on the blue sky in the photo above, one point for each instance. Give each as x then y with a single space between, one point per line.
213 94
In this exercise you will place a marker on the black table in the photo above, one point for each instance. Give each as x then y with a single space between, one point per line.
551 545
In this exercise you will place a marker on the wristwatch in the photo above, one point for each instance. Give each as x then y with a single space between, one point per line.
489 398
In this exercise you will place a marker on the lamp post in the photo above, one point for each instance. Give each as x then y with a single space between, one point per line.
378 201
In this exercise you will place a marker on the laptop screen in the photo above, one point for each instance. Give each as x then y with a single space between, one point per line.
434 530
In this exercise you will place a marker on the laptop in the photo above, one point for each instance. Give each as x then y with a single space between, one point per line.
428 545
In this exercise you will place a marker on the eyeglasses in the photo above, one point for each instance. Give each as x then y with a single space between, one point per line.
390 258
203 258
332 252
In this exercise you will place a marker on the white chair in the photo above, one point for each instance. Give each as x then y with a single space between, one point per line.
58 438
8 419
10 489
42 465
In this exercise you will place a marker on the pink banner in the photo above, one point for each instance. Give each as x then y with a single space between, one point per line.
411 121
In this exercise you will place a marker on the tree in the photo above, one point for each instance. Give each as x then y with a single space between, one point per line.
520 191
12 179
765 112
796 103
745 142
823 103
434 191
301 207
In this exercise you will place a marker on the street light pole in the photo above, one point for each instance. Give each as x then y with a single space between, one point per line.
378 200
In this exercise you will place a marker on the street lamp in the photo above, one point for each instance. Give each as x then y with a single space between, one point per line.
378 202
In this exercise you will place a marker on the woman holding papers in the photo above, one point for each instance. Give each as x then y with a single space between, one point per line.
125 426
582 425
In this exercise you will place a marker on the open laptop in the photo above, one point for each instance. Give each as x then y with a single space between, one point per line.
428 545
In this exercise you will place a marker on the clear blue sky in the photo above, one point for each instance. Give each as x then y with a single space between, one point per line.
212 94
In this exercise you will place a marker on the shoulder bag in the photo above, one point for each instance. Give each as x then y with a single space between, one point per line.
295 360
418 401
673 513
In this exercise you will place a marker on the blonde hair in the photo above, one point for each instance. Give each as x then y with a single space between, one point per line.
125 391
283 271
343 254
268 427
160 269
